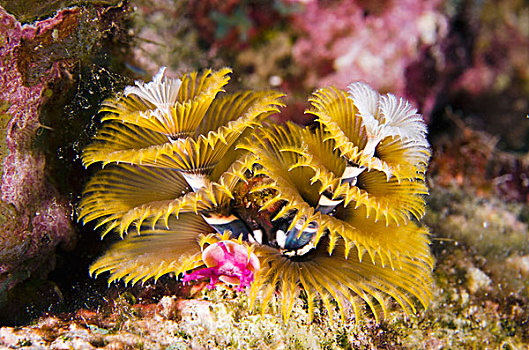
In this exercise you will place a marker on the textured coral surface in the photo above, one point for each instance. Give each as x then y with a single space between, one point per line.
34 218
36 64
374 43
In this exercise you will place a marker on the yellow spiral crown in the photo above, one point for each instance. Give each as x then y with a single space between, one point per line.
339 202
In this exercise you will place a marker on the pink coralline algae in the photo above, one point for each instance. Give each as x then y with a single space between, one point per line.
228 262
33 218
375 42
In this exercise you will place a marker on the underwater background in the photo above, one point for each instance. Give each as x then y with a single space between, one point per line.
463 64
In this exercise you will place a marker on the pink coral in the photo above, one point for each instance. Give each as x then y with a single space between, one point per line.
34 219
228 262
345 41
24 102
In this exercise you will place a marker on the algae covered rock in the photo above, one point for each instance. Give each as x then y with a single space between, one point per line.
34 217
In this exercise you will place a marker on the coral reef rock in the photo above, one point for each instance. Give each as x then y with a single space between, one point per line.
34 217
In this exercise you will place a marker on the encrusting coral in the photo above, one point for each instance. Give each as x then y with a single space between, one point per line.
34 217
198 183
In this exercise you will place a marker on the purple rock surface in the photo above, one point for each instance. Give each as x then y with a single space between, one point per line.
34 219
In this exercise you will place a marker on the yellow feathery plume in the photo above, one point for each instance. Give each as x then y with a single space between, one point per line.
172 107
156 252
292 184
351 281
399 150
340 119
321 150
201 152
213 196
209 147
119 189
332 211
